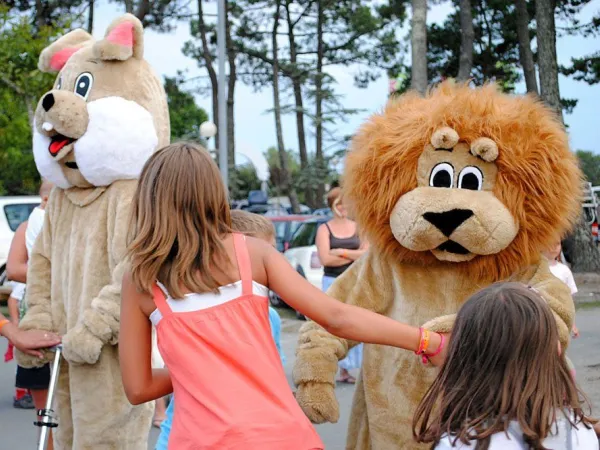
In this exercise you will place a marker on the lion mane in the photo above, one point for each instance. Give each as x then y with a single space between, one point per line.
538 179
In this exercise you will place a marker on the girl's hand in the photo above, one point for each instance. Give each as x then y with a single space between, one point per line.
439 359
575 331
337 252
29 341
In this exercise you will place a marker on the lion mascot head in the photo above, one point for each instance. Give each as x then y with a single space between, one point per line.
107 112
471 177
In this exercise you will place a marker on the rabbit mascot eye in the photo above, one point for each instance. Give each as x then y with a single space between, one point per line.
94 130
455 191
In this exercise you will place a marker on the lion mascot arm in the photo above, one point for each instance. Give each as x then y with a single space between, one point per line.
38 293
555 292
99 324
367 284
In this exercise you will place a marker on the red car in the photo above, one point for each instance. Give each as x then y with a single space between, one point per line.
285 227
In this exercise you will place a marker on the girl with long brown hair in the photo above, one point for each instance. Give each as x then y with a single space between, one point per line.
205 289
504 384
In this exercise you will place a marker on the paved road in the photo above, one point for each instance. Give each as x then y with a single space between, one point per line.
18 433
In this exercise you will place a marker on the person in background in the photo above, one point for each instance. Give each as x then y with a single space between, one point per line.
256 226
504 385
22 398
35 380
562 272
205 288
339 245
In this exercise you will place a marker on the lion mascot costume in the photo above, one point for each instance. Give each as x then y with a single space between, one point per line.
105 116
455 191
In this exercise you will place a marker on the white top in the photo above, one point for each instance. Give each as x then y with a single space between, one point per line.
34 226
567 438
196 302
564 274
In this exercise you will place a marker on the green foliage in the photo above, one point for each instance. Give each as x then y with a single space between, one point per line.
496 47
21 85
185 115
243 179
302 179
590 165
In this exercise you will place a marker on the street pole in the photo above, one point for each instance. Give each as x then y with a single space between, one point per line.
222 105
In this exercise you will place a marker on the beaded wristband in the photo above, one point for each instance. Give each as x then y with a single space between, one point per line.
423 342
3 323
426 357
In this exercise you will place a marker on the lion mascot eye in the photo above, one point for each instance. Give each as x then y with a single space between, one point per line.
442 176
470 178
83 85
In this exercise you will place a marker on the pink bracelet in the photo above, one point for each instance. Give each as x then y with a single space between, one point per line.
438 351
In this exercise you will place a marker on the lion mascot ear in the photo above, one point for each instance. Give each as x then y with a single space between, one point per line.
55 56
124 39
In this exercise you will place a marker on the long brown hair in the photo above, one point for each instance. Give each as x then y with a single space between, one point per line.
503 365
180 215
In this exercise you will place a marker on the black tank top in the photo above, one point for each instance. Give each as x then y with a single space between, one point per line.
351 243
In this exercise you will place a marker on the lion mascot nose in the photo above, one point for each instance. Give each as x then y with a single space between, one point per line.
48 102
448 221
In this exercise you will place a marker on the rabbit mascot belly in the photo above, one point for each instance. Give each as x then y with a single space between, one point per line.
105 116
455 191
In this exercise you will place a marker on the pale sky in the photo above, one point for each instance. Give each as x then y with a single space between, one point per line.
255 127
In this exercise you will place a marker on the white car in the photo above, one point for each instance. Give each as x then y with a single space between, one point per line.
13 212
302 255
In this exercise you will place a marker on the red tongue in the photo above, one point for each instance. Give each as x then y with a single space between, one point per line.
57 145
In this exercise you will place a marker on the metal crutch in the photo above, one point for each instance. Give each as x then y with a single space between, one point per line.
47 414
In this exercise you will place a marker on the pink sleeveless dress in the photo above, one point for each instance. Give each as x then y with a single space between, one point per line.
230 386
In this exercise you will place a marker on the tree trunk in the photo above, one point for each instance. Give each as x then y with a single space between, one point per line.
143 10
90 24
297 89
419 46
231 54
466 41
283 156
546 42
525 53
319 104
40 14
129 6
208 62
580 250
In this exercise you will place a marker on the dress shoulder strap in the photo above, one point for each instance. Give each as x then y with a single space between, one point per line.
328 229
243 261
160 299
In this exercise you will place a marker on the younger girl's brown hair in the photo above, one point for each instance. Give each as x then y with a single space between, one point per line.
180 215
503 365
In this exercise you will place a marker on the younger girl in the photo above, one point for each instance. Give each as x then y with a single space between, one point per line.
503 386
206 290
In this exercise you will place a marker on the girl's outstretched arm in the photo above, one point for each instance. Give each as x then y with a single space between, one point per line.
342 320
142 383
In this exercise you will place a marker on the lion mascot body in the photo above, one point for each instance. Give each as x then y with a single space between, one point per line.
105 116
455 191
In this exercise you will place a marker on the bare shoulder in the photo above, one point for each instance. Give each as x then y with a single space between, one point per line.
260 253
134 297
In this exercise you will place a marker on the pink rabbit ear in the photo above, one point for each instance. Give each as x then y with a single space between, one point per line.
124 39
55 56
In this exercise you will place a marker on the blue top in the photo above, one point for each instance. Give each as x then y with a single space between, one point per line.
165 427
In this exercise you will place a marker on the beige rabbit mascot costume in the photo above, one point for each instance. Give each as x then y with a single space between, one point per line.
106 114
